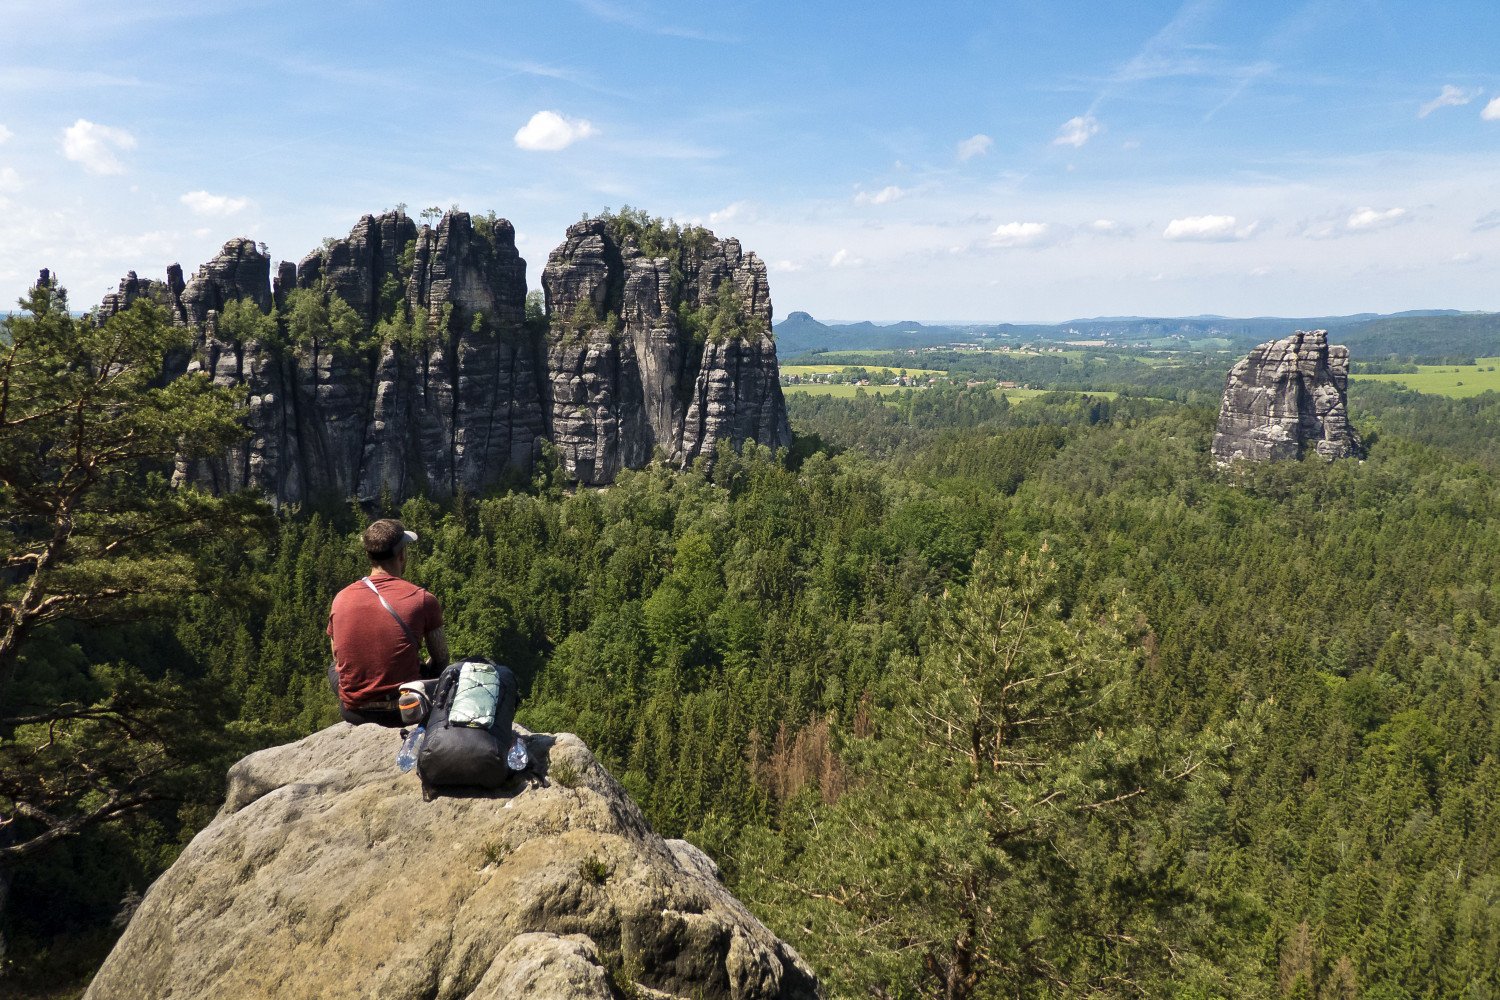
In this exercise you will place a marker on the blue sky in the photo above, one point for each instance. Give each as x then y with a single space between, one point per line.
1039 160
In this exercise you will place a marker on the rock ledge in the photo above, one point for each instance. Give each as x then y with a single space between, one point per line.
325 874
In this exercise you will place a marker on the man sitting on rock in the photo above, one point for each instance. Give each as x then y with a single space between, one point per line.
377 626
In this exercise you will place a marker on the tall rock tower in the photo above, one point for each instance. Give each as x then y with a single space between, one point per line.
1286 398
665 350
401 361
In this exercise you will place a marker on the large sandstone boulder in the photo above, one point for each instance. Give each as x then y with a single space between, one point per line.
1286 398
326 875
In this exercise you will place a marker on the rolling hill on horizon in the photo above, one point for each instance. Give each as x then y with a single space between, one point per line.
1419 333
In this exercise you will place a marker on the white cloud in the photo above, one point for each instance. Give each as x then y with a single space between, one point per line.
1361 220
844 259
1364 219
974 145
1021 234
95 146
5 134
1451 97
218 205
1077 131
884 196
1491 112
734 210
10 181
1208 229
549 131
1109 227
1464 257
785 266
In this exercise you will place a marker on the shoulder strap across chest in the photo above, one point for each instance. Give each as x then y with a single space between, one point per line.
387 605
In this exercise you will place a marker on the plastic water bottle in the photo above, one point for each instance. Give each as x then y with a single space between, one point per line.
516 757
406 757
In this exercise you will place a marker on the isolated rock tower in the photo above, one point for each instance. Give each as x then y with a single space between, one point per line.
1287 397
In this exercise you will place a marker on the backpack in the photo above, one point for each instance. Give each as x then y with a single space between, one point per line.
468 727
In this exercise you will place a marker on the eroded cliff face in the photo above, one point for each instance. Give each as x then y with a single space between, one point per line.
444 387
437 391
628 378
1285 398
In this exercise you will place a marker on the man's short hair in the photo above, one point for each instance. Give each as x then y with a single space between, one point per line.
384 538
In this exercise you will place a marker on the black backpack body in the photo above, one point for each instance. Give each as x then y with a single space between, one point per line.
468 756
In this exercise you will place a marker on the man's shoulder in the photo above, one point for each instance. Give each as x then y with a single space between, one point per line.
352 590
404 590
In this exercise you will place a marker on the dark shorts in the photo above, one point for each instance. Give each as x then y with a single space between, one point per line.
390 718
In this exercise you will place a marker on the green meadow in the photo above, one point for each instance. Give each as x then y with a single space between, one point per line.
835 369
1454 381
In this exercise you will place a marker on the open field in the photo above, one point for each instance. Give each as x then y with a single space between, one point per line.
842 390
847 391
835 369
1455 381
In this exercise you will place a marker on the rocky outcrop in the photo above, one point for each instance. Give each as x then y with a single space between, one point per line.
629 374
242 270
166 294
439 390
326 874
1288 397
444 387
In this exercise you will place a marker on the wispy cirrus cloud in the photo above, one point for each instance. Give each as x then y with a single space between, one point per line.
1489 220
1077 130
1109 227
97 146
884 196
51 80
974 145
630 17
1450 97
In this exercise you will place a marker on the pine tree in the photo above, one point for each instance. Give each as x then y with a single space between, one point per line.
986 845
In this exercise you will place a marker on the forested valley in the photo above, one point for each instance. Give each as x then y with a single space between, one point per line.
967 697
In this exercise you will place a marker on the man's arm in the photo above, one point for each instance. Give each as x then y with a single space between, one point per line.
437 648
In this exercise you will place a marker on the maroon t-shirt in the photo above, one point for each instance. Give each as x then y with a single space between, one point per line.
371 652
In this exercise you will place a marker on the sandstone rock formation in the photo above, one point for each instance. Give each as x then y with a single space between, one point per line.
1286 398
447 388
626 378
325 874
